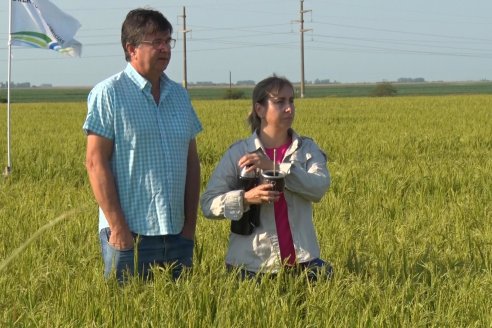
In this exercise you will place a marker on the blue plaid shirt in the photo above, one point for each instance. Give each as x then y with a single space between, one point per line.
150 148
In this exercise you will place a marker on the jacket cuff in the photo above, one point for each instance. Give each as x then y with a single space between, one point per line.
233 205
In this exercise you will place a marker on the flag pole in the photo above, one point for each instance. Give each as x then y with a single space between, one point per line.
8 168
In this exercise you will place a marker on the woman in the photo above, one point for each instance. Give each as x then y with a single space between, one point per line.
285 236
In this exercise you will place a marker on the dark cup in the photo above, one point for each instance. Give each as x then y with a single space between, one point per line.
276 178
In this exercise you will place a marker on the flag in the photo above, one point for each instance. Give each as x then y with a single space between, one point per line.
41 24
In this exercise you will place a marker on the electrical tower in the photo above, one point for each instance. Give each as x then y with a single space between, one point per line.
302 30
184 31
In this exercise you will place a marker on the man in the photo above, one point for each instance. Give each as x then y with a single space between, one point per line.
142 158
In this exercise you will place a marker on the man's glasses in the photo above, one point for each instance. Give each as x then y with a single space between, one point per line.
160 43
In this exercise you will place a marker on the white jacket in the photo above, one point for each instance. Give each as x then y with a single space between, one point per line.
307 180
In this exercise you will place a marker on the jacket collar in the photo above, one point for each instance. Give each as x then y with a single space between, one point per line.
254 144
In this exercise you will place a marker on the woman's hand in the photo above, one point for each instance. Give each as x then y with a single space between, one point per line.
254 161
261 194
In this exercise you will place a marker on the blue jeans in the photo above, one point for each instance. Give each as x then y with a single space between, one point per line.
173 250
314 269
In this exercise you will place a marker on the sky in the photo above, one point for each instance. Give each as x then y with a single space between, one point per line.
350 41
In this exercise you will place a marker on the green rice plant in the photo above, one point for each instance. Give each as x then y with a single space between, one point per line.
406 224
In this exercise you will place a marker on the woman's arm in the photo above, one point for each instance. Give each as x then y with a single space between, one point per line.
308 174
223 197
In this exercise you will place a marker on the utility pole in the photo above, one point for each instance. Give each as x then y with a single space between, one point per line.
184 31
302 30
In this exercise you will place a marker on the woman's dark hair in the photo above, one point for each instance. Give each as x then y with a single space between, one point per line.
267 88
140 22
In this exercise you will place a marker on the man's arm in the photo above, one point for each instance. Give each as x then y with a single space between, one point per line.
192 191
99 152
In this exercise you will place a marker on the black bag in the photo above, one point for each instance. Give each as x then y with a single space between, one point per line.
250 219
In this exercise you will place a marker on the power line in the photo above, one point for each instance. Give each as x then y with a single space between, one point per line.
366 28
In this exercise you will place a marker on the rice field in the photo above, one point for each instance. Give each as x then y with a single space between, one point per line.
407 224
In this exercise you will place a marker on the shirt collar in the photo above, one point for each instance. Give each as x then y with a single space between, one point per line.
138 79
142 82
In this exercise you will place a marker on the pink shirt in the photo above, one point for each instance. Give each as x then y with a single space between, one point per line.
286 243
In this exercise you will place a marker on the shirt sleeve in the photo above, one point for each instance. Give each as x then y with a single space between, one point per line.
183 102
99 118
196 126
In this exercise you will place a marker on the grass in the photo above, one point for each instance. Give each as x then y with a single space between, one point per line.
406 224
